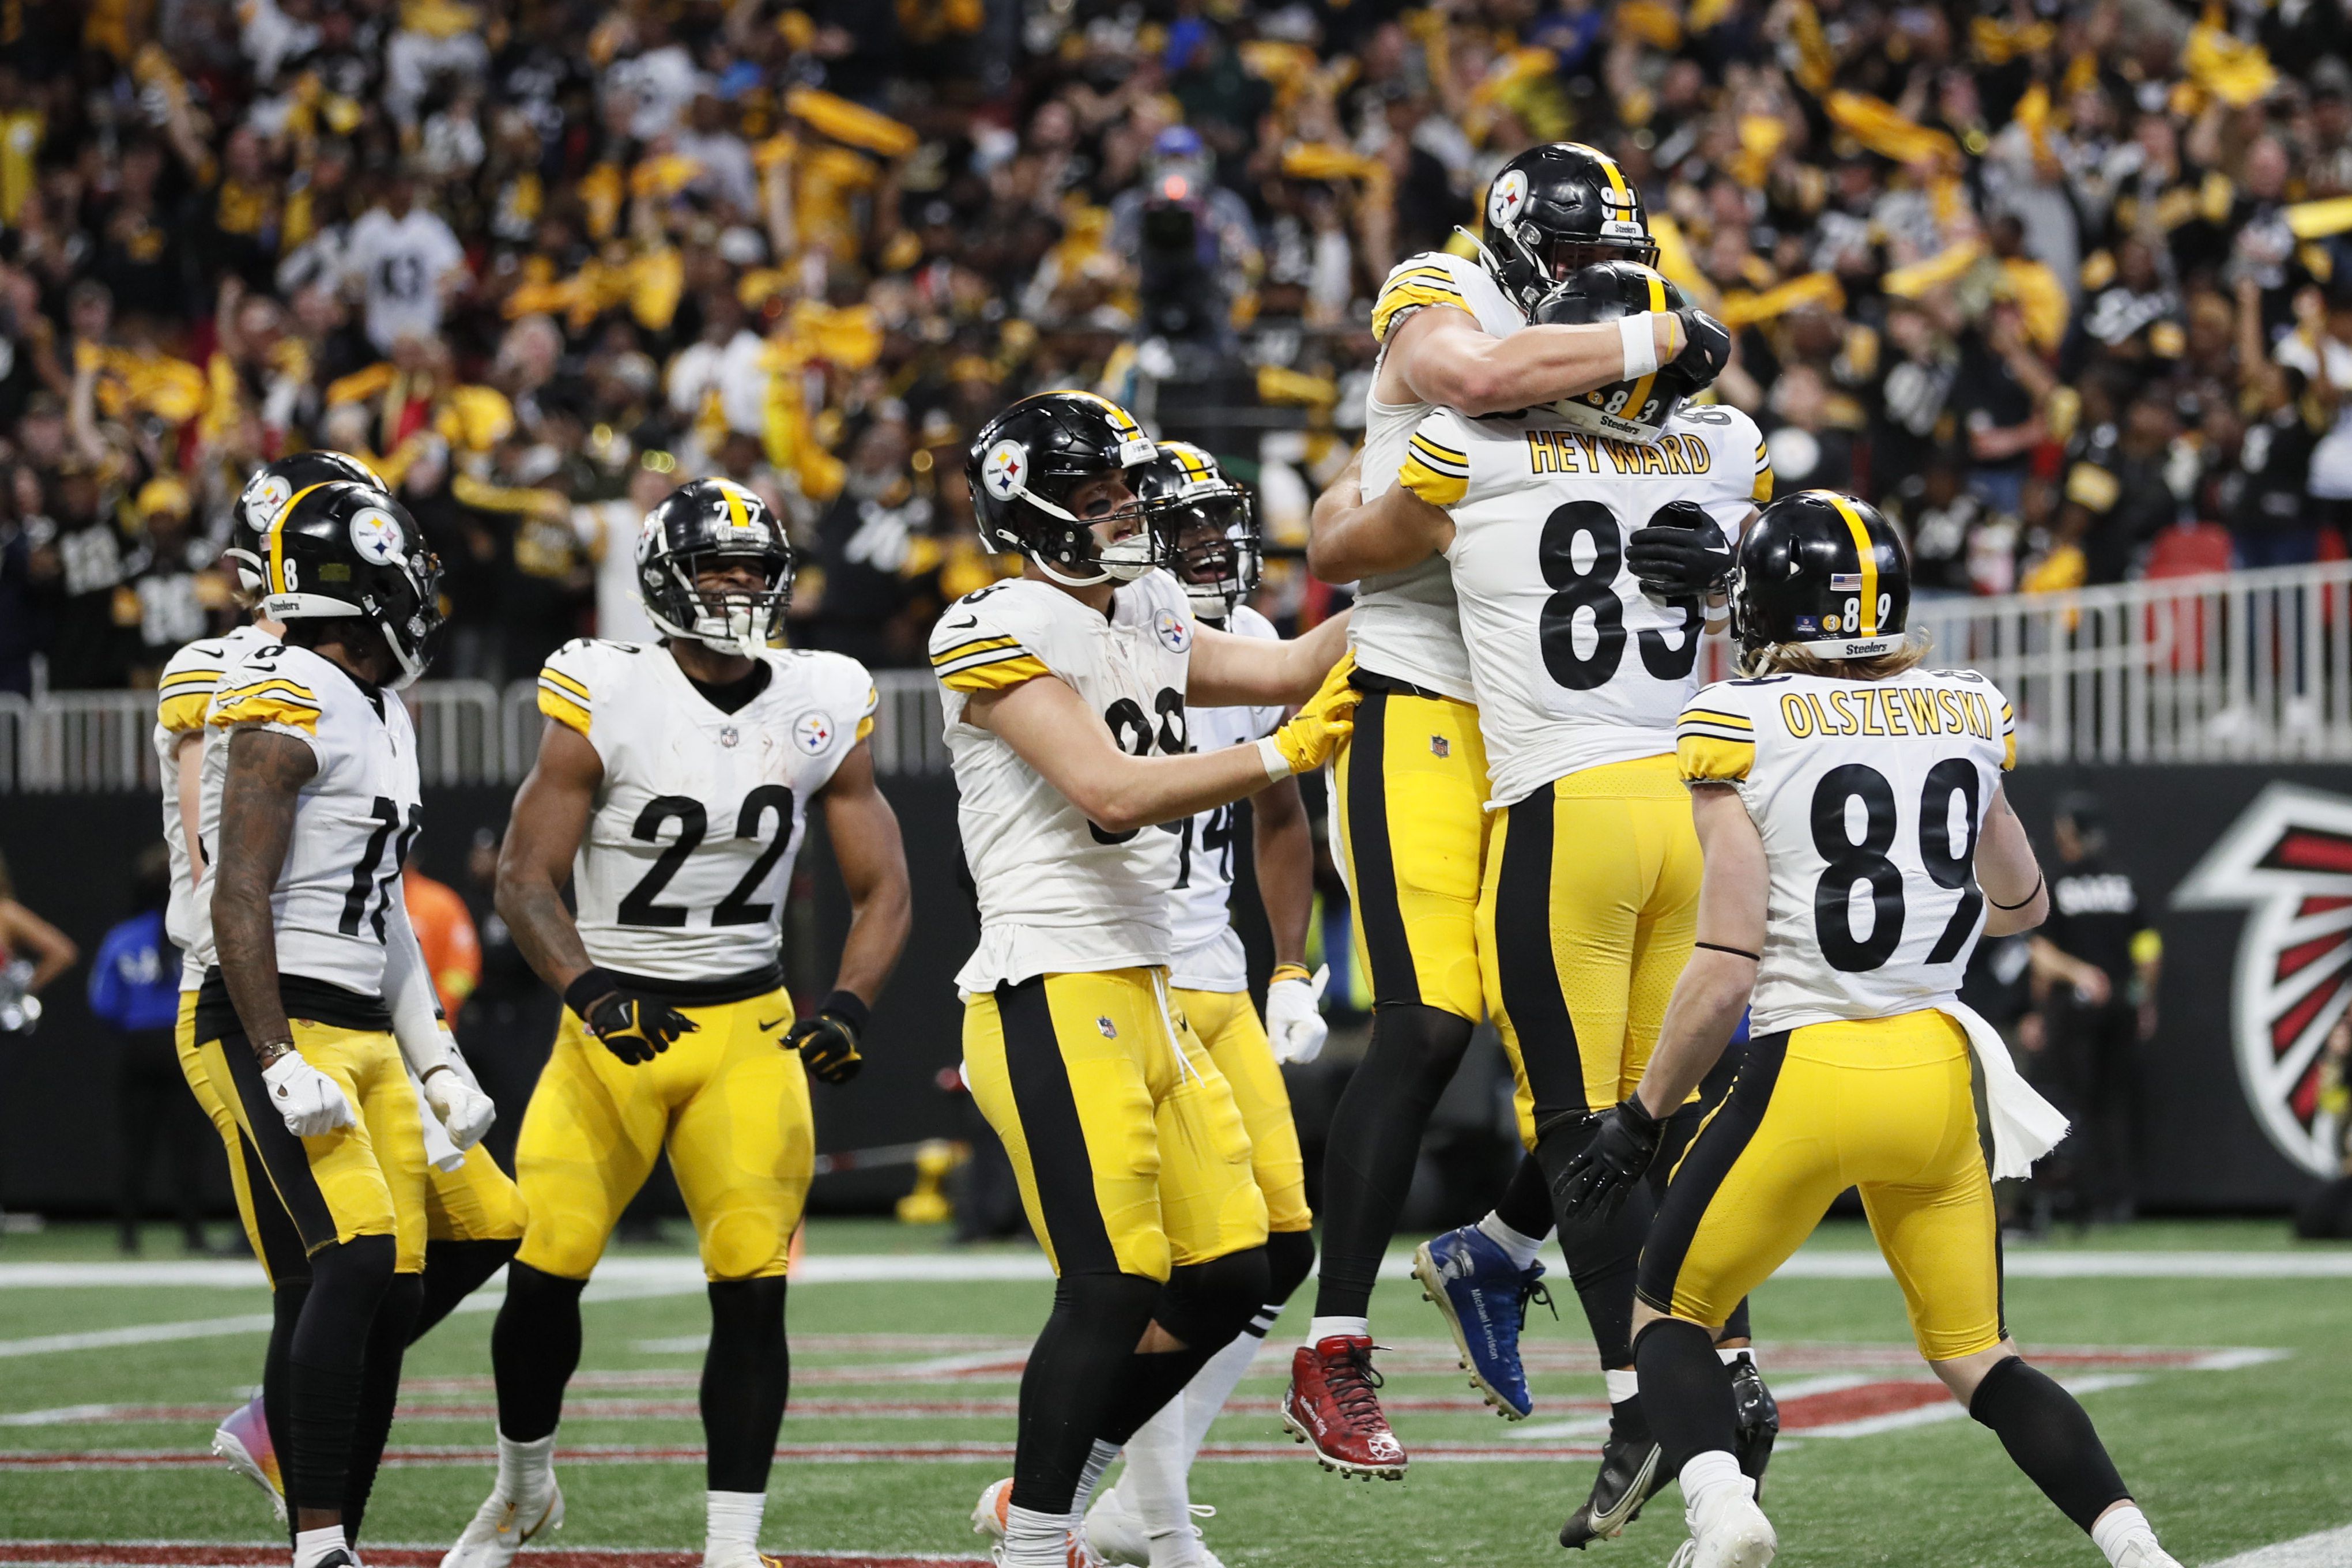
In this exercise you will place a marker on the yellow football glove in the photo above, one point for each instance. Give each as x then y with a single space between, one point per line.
1328 718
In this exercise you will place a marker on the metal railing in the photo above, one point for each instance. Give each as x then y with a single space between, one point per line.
2248 667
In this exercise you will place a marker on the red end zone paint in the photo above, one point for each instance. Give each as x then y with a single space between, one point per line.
197 1554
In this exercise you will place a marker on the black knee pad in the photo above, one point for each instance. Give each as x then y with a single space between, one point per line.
1206 1304
1108 1299
753 1309
1426 1041
1289 1259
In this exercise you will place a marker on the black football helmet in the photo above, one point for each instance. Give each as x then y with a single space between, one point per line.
1822 571
271 486
693 526
1556 209
1213 526
1026 463
343 549
1632 410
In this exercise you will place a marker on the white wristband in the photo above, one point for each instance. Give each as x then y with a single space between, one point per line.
1638 334
1278 766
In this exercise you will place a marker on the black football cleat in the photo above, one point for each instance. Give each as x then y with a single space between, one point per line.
1759 1421
1631 1474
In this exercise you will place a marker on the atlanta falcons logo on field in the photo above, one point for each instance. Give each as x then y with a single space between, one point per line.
2289 860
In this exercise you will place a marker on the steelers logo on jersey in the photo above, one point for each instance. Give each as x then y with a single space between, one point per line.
813 732
1172 631
376 535
1006 471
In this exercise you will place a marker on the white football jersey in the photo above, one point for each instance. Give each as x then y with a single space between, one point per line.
1574 665
354 822
1406 625
1056 892
1869 798
682 872
1208 951
182 694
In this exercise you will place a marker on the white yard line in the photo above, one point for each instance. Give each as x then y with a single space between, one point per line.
2325 1549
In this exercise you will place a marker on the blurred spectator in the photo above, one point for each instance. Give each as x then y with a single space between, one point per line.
134 988
445 932
32 953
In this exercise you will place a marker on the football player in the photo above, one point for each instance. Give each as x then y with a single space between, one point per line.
473 1214
1410 793
672 788
1066 692
309 804
1584 564
1858 843
1147 1516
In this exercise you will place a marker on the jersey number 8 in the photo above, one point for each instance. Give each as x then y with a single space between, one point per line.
1849 864
1592 589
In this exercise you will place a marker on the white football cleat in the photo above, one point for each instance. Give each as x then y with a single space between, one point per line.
1116 1531
988 1518
499 1528
2142 1552
1729 1532
243 1440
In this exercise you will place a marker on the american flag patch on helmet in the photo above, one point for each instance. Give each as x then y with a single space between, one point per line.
1846 582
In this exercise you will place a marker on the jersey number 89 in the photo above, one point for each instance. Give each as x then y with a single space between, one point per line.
1948 858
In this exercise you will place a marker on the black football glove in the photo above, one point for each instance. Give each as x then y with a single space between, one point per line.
829 1042
632 1026
1682 555
1706 346
1595 1182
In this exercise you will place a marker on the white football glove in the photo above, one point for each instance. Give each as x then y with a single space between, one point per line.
466 1112
311 1102
1292 1021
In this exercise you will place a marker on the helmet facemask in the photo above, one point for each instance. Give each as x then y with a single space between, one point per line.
726 619
1217 554
1149 543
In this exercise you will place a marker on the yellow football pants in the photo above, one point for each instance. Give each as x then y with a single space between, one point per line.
1885 1105
1585 921
298 1195
1124 1134
476 1201
729 1102
1226 1023
1409 794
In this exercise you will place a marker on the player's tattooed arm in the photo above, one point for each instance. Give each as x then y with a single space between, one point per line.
266 775
2016 897
543 833
1714 984
867 847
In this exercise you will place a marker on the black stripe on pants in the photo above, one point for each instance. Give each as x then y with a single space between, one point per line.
1532 998
1372 862
1712 1153
283 1158
1059 1166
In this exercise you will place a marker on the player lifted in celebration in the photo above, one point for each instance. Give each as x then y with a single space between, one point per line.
1410 792
473 1214
1858 841
1147 1517
1065 693
672 787
1583 563
309 804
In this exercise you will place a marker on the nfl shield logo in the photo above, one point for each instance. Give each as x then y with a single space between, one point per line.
1439 746
1109 1029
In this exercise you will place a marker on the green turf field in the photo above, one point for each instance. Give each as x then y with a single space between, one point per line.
2222 1395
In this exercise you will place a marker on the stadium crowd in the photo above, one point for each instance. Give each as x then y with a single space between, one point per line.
2066 288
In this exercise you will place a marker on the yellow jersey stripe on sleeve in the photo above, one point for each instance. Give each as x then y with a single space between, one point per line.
999 674
557 706
2008 738
1430 482
184 712
276 686
204 677
1762 492
1406 293
265 708
866 726
1717 716
1710 759
547 672
977 645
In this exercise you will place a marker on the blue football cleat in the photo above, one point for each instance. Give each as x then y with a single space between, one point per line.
1483 1297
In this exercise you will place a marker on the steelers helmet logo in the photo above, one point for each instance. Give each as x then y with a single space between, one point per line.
1508 197
265 493
813 732
376 535
1005 469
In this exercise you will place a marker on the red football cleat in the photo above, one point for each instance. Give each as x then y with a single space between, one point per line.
1334 1407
